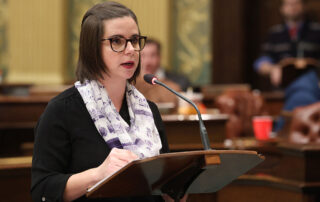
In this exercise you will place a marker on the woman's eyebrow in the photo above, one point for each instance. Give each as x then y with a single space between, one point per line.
119 35
116 35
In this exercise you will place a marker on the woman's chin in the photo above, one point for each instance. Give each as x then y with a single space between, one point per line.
128 76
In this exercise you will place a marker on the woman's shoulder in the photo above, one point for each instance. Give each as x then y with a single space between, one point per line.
66 94
63 99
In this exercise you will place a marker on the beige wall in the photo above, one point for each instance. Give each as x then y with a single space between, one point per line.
36 41
37 36
154 21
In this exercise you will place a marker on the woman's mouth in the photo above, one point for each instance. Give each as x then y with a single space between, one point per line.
128 64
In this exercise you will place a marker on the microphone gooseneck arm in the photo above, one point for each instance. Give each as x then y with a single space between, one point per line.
203 130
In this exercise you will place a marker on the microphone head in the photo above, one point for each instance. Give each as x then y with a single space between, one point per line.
150 78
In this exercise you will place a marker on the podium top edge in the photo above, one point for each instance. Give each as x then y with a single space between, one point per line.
200 152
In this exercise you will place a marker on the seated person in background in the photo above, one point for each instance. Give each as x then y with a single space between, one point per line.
241 106
296 42
150 64
151 57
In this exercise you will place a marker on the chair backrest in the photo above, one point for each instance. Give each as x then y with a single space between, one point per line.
241 106
305 125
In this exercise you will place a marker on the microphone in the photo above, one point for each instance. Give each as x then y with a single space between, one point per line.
151 79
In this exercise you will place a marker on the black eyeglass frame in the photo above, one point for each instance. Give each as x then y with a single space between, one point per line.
127 40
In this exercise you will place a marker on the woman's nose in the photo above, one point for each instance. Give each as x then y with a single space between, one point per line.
129 48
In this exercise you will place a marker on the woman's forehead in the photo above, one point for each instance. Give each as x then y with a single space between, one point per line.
124 26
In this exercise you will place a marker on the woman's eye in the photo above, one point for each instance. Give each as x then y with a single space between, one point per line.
135 40
117 41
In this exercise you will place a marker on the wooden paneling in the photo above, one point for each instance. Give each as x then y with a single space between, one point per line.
228 41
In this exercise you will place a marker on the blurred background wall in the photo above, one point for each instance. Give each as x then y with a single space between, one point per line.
36 39
191 34
39 38
208 41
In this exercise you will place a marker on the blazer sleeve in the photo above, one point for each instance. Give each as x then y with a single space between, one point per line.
160 126
52 151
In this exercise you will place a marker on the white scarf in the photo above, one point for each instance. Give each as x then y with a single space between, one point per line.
141 137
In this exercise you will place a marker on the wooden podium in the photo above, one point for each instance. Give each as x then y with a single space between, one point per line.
177 174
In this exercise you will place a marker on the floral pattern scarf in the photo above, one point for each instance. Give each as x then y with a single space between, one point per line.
141 136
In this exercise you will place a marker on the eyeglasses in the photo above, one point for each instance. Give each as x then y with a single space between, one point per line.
119 43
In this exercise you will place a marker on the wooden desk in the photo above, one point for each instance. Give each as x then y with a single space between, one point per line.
289 173
296 162
255 186
274 101
183 131
15 175
18 116
21 110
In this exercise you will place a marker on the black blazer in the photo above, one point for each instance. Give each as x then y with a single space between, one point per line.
67 142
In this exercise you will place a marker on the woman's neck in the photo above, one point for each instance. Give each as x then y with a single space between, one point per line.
116 89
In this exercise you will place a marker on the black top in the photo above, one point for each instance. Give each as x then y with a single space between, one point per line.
180 79
67 142
279 45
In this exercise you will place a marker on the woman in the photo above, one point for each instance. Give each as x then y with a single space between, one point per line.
102 123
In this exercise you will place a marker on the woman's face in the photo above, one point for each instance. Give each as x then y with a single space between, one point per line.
120 65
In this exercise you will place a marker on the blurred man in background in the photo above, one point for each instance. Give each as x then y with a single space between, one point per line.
294 44
151 64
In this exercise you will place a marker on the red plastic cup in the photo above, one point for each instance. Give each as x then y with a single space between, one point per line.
262 126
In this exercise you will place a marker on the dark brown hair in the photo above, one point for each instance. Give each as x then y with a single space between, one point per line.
282 1
154 42
90 64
